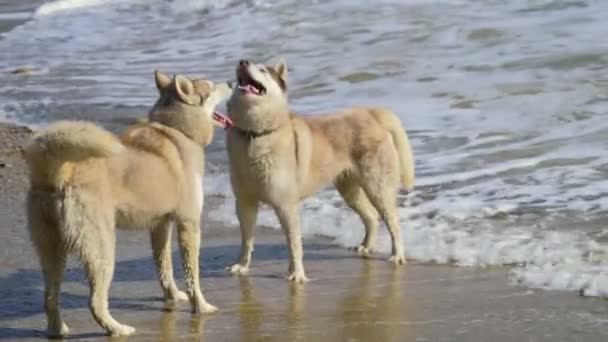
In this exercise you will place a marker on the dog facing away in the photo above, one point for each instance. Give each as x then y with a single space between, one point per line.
279 158
85 181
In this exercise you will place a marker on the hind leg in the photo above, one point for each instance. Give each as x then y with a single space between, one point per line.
52 261
380 183
97 254
53 268
380 180
160 238
356 199
384 200
52 256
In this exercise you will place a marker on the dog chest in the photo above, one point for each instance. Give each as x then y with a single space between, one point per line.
265 172
257 167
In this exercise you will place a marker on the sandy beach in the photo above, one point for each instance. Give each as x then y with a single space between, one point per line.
348 299
529 192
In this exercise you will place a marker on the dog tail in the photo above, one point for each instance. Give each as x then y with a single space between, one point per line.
68 141
391 122
72 141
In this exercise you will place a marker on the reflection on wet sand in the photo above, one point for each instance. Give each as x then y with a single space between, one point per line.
250 311
367 305
296 317
374 307
258 321
167 326
169 330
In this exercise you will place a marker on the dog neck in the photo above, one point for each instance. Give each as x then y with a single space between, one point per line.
252 135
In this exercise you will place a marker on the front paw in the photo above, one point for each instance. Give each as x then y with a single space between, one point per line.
397 259
61 331
204 308
298 277
179 296
238 269
363 251
175 297
121 330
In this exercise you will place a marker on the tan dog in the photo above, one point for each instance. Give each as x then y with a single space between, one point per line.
279 158
85 182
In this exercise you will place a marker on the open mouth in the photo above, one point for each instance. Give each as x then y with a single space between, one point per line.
222 120
247 84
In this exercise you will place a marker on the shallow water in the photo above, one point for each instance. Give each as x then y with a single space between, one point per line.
505 103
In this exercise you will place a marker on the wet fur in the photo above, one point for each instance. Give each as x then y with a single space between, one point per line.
85 182
363 151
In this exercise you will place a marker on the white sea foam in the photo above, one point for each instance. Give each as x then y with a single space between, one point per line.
462 233
59 7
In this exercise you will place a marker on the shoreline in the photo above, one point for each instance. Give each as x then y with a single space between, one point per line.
16 13
349 298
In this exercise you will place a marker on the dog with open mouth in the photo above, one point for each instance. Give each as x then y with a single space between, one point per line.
85 182
279 158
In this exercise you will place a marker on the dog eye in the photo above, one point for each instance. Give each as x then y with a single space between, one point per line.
263 70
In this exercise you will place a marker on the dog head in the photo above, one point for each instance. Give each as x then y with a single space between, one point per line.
259 98
188 105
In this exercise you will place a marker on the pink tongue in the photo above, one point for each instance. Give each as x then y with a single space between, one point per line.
223 119
249 89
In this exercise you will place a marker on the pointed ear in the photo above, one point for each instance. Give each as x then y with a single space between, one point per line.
184 89
222 91
219 92
162 80
281 68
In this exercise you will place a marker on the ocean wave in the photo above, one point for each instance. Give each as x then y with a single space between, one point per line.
66 6
465 234
58 7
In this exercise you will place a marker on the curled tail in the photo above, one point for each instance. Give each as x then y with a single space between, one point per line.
68 141
406 157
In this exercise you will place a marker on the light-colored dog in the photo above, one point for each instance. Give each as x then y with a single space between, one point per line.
85 182
278 158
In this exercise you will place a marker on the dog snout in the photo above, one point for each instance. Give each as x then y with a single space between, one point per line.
243 63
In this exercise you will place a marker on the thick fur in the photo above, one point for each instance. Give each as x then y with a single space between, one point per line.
279 158
85 182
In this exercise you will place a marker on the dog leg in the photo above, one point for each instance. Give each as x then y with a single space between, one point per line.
189 237
383 198
160 238
52 260
356 199
98 257
52 255
53 265
289 218
247 212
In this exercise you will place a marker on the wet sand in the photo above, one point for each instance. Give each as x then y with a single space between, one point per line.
349 299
